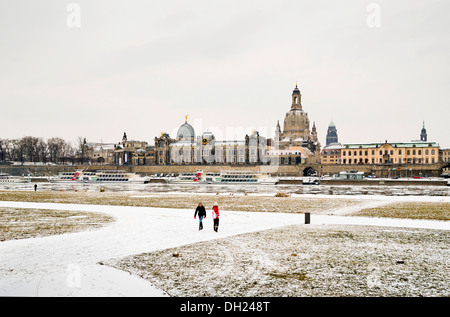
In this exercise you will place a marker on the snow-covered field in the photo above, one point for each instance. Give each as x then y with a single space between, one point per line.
72 264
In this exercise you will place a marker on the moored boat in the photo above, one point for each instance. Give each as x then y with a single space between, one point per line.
310 180
105 176
7 178
224 177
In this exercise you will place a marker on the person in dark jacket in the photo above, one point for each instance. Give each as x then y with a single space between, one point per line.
201 211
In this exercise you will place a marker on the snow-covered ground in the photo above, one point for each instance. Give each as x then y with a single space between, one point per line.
68 264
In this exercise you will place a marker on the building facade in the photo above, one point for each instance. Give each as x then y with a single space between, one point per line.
446 159
331 154
297 143
101 153
417 152
133 152
189 149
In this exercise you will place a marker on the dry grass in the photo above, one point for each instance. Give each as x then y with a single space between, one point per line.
410 210
21 223
226 202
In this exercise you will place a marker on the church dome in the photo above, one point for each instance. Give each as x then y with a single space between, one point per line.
296 120
186 132
207 135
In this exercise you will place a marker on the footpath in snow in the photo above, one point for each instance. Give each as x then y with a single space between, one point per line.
67 264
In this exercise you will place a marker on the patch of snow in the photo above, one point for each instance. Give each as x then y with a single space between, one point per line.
70 264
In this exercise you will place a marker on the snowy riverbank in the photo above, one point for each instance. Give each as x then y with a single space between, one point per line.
67 264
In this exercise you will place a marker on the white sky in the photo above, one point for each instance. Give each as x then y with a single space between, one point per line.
140 66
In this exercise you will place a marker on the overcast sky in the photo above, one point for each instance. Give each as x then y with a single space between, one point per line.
378 71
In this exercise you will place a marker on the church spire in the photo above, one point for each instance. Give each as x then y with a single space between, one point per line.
314 132
296 98
278 132
423 133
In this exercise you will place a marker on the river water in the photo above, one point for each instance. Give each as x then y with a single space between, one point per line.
154 188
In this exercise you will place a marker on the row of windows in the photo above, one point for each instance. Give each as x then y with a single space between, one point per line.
381 161
115 176
239 180
391 152
238 176
217 152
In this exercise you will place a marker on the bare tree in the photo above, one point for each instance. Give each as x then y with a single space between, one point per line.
56 149
33 149
42 149
3 150
29 147
82 149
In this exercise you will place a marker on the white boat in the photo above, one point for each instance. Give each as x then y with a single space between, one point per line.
194 178
6 178
310 180
245 177
106 176
68 177
119 176
224 177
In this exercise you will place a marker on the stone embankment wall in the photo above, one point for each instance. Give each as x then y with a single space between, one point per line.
424 170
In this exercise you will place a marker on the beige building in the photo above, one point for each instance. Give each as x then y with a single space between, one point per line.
417 152
291 156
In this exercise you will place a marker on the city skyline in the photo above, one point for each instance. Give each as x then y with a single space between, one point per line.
141 67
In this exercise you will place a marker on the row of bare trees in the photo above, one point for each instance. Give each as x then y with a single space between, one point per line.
34 149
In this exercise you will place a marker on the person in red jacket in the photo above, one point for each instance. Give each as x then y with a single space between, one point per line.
215 215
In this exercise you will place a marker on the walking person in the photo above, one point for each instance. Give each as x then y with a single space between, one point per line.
215 215
201 211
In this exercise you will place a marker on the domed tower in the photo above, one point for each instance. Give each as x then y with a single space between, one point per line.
207 137
296 121
185 132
